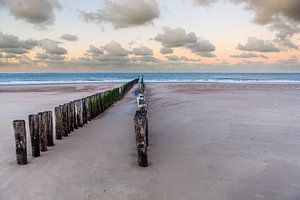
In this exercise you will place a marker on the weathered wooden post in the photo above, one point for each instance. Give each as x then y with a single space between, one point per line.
50 141
140 136
58 122
65 120
73 105
88 108
34 135
79 112
71 110
42 130
20 136
69 118
100 104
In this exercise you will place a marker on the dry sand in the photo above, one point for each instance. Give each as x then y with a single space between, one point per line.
207 141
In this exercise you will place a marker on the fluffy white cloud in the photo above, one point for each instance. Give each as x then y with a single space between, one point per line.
266 10
115 49
142 51
95 51
69 37
249 55
205 2
285 32
202 48
12 44
39 12
258 45
175 37
166 50
282 15
41 56
172 38
124 13
174 58
51 47
145 59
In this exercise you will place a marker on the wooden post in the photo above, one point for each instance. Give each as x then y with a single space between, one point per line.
73 105
140 136
88 108
79 112
50 141
34 135
42 130
69 118
91 107
58 123
85 110
100 104
20 136
71 110
65 120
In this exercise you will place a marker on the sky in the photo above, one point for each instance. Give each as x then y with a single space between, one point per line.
150 35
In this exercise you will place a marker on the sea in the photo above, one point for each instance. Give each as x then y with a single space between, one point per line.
46 78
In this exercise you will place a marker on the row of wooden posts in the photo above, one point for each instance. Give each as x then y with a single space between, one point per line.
68 117
141 126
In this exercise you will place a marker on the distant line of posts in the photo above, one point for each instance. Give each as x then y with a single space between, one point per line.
68 117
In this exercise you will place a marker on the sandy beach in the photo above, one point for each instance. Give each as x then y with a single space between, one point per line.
208 141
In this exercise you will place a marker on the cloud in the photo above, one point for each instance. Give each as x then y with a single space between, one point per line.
290 60
205 2
145 59
202 48
285 32
258 45
174 58
175 37
190 59
95 51
142 51
41 56
38 12
266 11
10 55
69 37
249 55
51 47
12 44
124 13
115 49
166 50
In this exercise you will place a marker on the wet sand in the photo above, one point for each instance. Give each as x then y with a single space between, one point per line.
207 141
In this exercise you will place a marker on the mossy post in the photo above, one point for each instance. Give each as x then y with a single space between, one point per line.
20 136
34 134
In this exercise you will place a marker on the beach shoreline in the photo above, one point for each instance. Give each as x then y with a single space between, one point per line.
210 141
